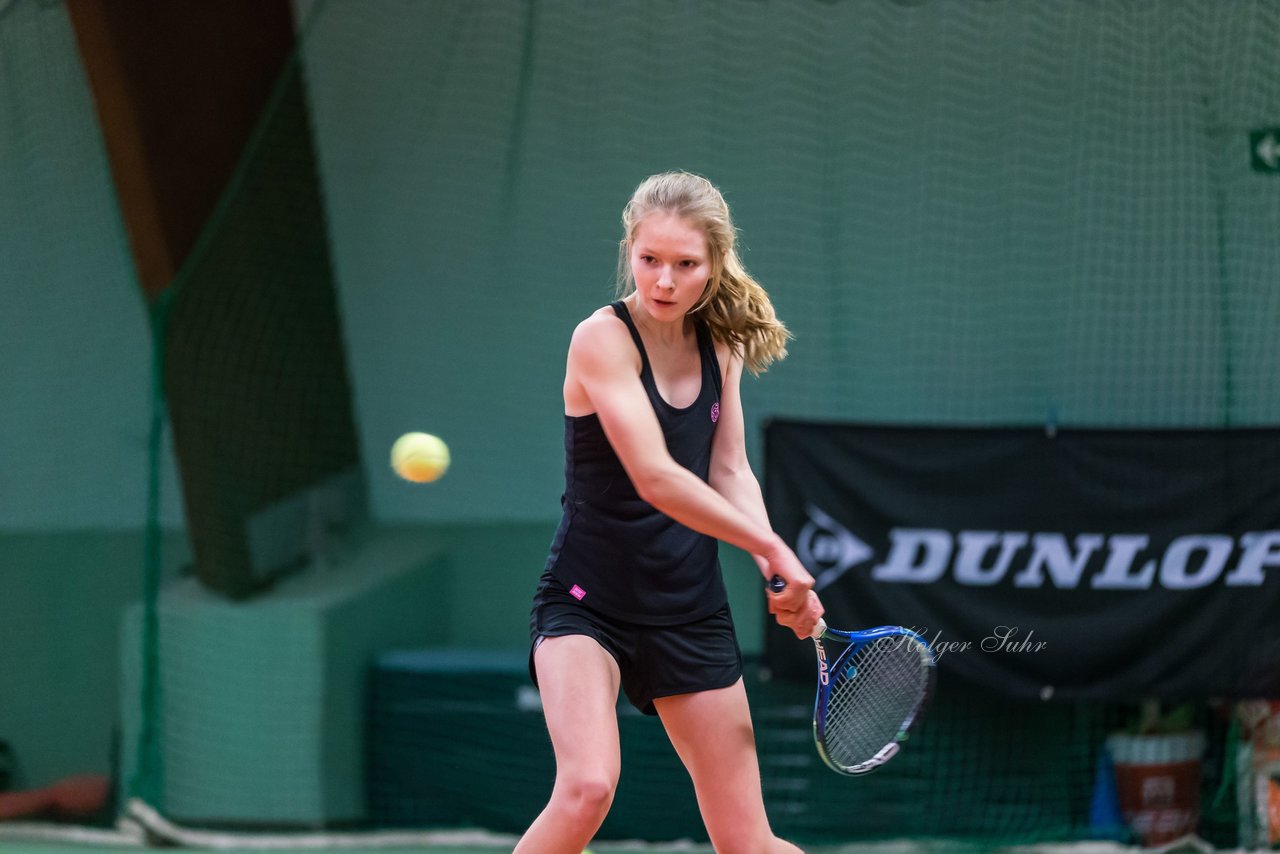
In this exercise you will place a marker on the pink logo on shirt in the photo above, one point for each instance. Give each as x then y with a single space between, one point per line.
715 412
577 592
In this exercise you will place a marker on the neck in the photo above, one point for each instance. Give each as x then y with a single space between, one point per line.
665 332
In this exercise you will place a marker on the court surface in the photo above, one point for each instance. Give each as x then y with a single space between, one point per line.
25 839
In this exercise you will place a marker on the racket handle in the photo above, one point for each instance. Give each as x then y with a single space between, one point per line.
777 584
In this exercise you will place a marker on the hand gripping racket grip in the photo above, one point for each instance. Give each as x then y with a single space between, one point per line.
777 584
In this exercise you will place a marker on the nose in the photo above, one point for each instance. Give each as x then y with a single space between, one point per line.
665 279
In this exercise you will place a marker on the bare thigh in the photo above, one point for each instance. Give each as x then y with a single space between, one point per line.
712 733
578 682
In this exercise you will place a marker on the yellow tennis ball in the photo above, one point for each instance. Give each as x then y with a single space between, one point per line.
419 457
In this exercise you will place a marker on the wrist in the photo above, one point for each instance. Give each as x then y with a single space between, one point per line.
772 548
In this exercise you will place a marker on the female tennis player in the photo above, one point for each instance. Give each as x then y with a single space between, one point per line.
632 596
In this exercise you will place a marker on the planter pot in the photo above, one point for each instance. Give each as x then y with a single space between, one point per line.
1158 782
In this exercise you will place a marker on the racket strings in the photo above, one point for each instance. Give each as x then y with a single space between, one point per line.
874 696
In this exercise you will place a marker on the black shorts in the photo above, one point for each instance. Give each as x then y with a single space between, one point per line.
655 661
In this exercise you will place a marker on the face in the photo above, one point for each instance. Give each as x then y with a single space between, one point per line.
671 265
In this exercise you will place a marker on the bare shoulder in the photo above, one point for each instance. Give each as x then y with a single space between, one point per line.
601 338
599 333
602 321
600 355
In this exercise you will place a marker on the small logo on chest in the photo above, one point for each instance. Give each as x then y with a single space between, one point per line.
715 412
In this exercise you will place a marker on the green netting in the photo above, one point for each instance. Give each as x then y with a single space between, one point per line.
75 398
968 213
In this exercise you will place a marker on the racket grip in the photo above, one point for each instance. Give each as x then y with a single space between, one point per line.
777 584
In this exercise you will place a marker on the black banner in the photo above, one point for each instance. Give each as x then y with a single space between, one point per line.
1068 564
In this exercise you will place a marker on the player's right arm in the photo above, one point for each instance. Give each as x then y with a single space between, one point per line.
603 376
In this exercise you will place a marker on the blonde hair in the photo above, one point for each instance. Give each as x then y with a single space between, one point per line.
734 306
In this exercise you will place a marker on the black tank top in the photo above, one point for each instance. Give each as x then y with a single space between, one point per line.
613 550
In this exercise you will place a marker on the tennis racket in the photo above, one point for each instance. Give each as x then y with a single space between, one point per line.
872 689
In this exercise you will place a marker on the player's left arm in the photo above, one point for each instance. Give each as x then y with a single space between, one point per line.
730 472
731 476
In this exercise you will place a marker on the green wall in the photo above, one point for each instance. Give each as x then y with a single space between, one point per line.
61 598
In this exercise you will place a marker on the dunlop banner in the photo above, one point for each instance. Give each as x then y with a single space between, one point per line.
1070 564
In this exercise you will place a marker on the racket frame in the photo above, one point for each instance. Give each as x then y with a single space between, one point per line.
826 666
855 641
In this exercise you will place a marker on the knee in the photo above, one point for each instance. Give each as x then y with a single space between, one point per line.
589 797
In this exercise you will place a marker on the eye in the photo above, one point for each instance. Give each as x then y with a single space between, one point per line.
688 263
